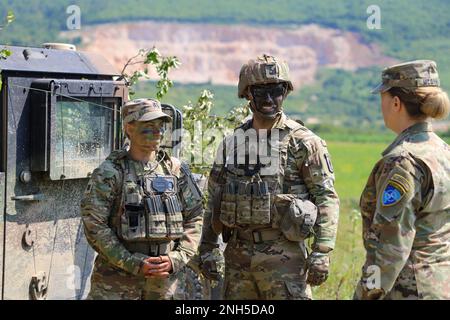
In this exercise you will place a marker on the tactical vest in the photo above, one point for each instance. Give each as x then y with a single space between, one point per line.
248 196
151 209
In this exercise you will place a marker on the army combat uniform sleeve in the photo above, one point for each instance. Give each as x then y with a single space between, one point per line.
97 206
314 163
193 219
209 236
395 192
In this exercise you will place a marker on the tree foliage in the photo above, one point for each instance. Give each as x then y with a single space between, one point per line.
206 130
199 123
5 53
163 65
411 29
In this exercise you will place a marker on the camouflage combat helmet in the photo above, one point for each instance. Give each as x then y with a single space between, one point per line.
409 75
263 70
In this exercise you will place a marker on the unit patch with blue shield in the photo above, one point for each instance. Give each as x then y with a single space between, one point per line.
395 190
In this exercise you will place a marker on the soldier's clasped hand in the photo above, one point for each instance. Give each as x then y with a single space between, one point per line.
159 267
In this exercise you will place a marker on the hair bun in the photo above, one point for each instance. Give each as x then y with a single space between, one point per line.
435 102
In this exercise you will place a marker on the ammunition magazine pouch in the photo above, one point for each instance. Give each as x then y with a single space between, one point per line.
152 210
245 203
165 219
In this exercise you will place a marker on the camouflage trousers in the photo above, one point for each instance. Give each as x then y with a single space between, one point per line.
111 283
272 270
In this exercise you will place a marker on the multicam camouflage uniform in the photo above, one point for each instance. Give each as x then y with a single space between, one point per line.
118 228
405 207
266 257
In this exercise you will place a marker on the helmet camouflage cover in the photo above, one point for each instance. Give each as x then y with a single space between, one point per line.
263 70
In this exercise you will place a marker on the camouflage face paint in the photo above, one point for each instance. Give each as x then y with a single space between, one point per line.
268 98
146 136
150 131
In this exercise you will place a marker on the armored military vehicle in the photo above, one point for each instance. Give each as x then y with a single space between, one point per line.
60 118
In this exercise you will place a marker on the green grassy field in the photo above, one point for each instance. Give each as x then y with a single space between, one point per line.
352 163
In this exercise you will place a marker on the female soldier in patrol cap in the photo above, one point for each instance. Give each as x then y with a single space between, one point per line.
142 213
405 205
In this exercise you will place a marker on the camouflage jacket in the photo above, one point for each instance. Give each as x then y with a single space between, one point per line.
102 201
304 170
405 208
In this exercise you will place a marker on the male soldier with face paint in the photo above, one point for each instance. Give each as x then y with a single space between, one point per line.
142 213
266 209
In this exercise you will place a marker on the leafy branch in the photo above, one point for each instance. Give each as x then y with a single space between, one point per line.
162 64
199 123
4 53
197 116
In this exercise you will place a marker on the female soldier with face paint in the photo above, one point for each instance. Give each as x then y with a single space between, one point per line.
142 213
405 205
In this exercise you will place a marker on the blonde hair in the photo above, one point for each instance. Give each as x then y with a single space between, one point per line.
424 102
435 102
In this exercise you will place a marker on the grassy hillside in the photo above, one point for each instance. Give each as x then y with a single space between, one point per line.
403 21
342 103
410 30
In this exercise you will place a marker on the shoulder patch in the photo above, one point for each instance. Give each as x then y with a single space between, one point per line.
328 161
394 191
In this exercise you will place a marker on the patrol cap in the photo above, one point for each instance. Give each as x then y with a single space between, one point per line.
143 110
409 75
263 70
